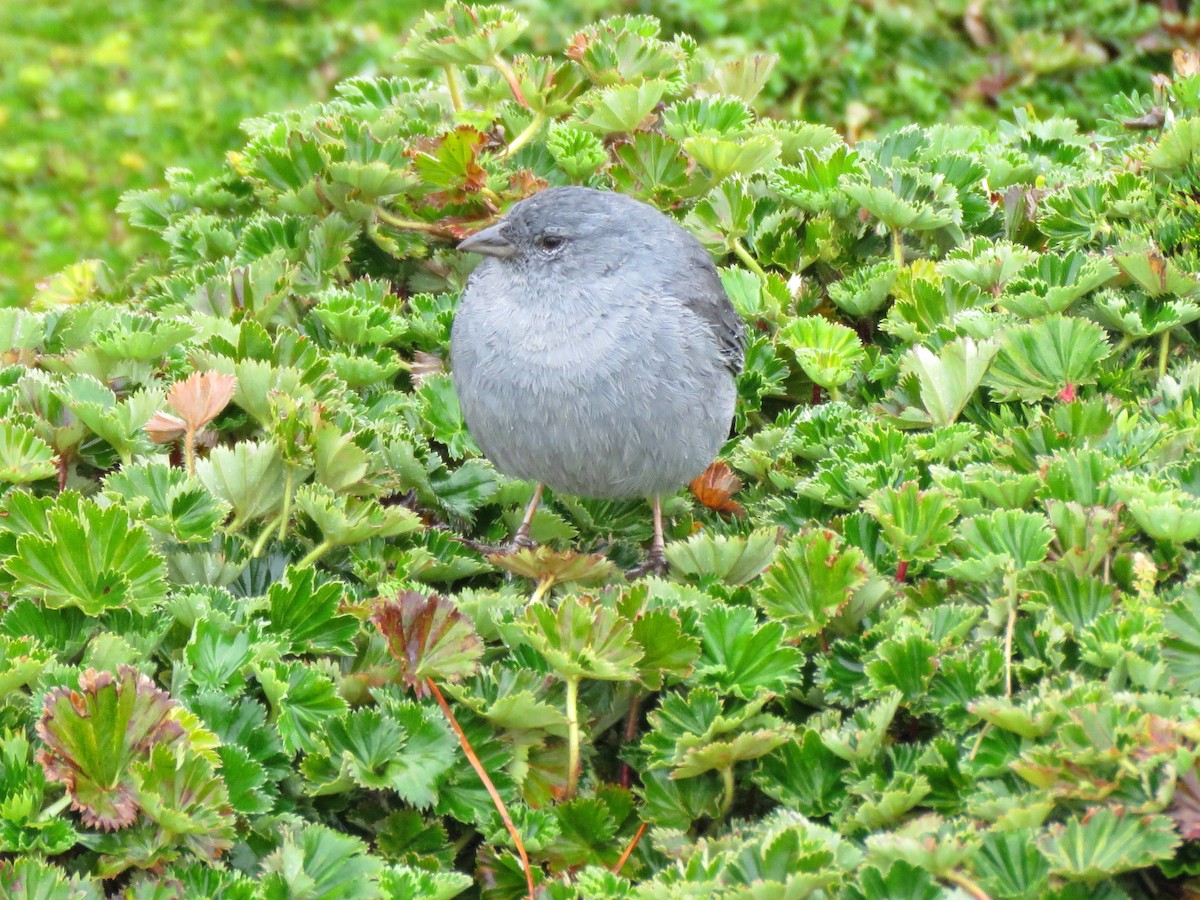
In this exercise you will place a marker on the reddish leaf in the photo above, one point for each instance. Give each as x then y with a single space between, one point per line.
1185 807
523 183
715 487
94 735
165 428
450 162
1186 62
200 397
578 46
429 638
548 564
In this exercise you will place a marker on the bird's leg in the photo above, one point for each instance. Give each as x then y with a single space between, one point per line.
656 560
521 539
658 545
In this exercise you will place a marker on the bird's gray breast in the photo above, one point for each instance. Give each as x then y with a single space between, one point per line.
597 396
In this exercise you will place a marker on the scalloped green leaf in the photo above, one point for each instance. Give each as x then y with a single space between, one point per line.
728 559
90 557
1107 843
1042 358
24 457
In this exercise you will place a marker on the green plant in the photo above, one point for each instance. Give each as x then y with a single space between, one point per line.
104 98
951 646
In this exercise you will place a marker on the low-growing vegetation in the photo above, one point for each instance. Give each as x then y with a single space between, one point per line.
932 624
99 98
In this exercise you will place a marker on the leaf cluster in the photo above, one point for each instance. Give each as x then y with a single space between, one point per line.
952 644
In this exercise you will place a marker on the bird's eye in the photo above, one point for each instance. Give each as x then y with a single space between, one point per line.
550 241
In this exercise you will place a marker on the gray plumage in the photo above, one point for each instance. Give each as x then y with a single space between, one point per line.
594 348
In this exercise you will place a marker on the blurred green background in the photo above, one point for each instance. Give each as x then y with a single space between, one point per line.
100 98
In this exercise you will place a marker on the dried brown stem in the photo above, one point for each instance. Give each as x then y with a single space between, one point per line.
469 751
629 850
631 723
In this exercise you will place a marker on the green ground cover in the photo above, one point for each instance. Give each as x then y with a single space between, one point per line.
931 628
100 98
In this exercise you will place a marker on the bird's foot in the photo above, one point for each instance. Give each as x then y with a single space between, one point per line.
520 541
655 564
479 547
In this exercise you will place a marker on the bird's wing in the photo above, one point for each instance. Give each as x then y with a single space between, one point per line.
707 300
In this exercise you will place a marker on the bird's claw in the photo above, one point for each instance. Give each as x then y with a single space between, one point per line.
481 548
520 541
655 564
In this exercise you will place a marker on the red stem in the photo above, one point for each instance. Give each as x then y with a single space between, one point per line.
631 722
487 782
901 571
629 850
510 76
816 395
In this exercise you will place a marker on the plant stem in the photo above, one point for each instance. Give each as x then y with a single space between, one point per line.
452 86
287 501
1164 352
524 137
510 76
1008 632
62 802
267 531
740 251
463 839
409 224
898 248
572 737
901 571
967 884
317 552
631 723
834 393
979 740
629 850
189 450
542 589
727 793
469 752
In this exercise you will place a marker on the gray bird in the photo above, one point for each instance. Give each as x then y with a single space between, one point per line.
595 350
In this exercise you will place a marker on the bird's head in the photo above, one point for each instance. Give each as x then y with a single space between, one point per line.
572 229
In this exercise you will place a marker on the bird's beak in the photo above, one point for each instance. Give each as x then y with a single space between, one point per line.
489 242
